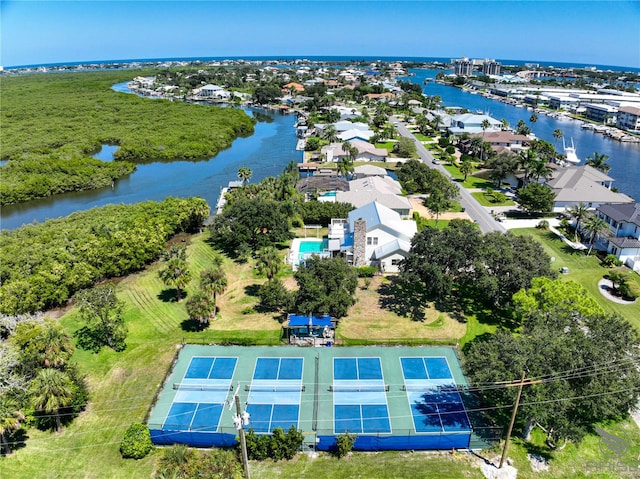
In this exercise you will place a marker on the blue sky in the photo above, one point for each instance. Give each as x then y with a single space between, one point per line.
583 32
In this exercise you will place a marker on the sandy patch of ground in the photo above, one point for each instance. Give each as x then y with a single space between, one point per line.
416 205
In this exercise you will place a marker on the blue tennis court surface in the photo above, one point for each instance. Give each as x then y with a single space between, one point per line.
398 398
200 397
274 394
359 396
436 405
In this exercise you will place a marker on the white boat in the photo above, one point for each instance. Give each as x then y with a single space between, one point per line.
570 152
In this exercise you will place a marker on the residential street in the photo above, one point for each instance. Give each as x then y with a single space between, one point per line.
477 212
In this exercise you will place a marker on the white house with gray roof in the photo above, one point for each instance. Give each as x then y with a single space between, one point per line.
471 123
373 235
624 226
583 184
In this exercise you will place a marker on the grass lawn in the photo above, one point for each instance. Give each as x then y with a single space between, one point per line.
424 222
382 465
472 181
485 200
422 137
387 145
123 384
583 269
368 322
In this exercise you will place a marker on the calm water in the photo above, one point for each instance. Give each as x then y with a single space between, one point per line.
272 147
624 158
266 152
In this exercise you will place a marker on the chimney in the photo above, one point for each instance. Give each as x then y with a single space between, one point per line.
359 242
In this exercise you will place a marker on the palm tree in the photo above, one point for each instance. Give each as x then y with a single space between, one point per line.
10 420
176 274
578 212
268 261
505 124
213 281
533 118
486 124
200 307
245 173
599 162
54 345
52 390
540 169
330 134
594 227
476 146
557 134
466 167
345 166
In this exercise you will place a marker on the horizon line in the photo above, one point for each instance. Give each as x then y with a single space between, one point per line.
310 57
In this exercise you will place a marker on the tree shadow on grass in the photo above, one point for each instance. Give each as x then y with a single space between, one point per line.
191 325
252 290
170 295
89 339
537 450
18 440
403 298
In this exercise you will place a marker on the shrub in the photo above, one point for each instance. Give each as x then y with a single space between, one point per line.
136 443
248 310
278 446
367 271
543 225
450 149
443 142
344 444
611 261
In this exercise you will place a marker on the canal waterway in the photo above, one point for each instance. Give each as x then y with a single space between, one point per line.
624 158
266 152
272 147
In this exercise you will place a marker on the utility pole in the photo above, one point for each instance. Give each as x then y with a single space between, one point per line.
243 442
513 419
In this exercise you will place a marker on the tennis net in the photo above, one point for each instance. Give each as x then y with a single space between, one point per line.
275 388
339 388
201 387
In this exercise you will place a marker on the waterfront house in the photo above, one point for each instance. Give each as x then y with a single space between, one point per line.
355 134
583 184
293 87
500 140
472 123
624 226
366 151
383 190
213 92
373 235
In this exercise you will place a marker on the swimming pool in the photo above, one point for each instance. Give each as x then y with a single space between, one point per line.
303 248
311 246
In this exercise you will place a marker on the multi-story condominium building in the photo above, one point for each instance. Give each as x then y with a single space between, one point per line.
601 113
490 67
463 67
628 118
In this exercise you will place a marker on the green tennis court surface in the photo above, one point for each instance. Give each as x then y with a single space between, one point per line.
392 398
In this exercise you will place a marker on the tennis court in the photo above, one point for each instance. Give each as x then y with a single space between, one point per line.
392 398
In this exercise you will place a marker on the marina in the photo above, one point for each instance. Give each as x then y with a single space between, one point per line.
624 157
